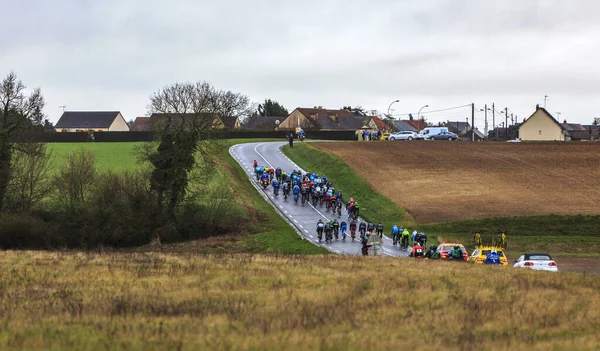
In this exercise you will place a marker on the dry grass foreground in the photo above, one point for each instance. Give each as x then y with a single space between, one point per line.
118 301
443 181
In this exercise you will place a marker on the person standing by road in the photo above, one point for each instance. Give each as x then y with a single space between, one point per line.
291 139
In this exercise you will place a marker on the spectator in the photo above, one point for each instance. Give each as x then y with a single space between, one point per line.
367 134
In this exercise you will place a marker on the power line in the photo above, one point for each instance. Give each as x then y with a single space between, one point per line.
433 111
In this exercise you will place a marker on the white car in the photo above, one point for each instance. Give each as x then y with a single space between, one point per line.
403 136
537 261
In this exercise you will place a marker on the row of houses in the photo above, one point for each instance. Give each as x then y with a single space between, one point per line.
316 118
540 126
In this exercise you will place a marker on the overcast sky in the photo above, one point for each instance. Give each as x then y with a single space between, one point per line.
111 55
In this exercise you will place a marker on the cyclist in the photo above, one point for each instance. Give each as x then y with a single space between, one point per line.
370 227
271 172
276 186
379 229
362 229
286 190
365 241
456 254
417 250
278 173
259 171
405 236
423 239
356 210
432 253
492 258
296 192
320 227
343 228
353 229
335 228
395 234
255 164
327 232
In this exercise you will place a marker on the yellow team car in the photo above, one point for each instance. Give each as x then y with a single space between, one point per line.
481 253
385 136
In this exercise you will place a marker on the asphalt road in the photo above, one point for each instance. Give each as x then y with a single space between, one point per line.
303 217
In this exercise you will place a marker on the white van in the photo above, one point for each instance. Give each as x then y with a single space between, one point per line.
429 131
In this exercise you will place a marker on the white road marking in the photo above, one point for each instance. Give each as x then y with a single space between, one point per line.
306 231
261 156
300 225
295 221
284 211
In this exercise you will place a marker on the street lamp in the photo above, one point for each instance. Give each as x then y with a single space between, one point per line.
419 113
393 102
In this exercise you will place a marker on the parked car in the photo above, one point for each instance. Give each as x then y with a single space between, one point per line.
445 248
478 256
444 136
426 133
403 136
537 261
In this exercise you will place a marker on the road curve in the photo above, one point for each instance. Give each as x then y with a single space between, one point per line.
303 218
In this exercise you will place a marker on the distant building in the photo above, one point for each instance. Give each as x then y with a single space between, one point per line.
542 126
322 119
141 124
401 126
96 121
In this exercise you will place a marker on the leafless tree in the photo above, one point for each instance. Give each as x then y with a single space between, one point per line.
74 181
30 180
19 112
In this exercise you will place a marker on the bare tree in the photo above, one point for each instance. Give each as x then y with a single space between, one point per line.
18 113
186 114
30 180
75 180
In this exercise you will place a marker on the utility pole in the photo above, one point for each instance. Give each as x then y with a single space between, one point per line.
506 121
512 119
494 118
472 122
558 115
545 99
486 124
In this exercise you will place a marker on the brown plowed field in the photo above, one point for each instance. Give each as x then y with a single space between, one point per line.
443 181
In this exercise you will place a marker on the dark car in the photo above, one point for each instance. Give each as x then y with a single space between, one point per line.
444 136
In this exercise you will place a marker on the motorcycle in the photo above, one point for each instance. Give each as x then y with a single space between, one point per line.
264 183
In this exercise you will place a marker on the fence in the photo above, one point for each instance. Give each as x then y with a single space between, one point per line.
104 137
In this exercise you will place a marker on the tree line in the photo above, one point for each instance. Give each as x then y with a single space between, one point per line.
168 198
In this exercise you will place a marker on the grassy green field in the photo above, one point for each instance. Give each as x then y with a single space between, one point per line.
575 236
265 230
157 301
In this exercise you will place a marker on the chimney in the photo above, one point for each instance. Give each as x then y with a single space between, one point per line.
537 107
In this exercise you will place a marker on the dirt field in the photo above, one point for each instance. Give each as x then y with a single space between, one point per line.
444 181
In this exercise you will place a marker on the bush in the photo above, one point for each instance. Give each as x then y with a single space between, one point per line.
24 231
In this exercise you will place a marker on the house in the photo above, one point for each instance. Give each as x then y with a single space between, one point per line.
141 124
418 124
91 121
542 126
319 118
263 123
231 122
401 126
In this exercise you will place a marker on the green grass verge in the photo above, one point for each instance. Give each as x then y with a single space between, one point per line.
374 207
108 156
567 236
